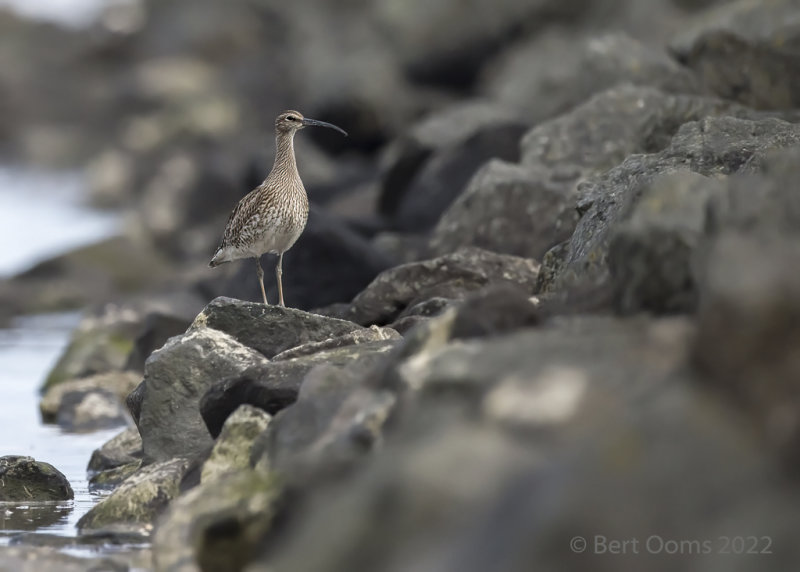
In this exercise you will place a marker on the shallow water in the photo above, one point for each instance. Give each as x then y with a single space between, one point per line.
27 351
41 215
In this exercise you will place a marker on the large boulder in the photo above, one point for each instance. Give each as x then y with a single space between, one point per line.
217 525
508 209
175 378
269 329
711 147
231 452
451 276
24 479
275 385
136 503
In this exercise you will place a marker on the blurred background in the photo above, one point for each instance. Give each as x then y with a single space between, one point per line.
130 128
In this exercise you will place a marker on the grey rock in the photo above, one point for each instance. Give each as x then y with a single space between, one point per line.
217 525
451 276
651 255
26 479
83 412
507 209
336 419
136 503
759 74
175 378
231 452
156 329
361 336
747 331
101 343
426 169
275 385
269 329
711 147
123 448
117 384
527 78
109 479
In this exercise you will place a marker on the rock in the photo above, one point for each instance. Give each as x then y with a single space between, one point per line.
109 479
101 343
269 329
24 479
217 525
329 263
541 87
747 331
275 385
712 147
426 169
156 329
759 74
507 209
122 449
175 378
651 255
231 452
89 403
336 420
136 503
82 412
360 336
451 276
92 274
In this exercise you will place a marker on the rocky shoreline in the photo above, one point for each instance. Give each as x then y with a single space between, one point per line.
549 293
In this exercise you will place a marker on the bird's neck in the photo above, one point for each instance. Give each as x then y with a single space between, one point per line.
285 165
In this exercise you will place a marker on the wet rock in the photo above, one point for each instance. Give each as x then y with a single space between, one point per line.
451 276
337 419
89 403
217 525
26 479
122 449
231 452
156 329
507 209
109 479
101 343
542 87
275 385
175 378
651 255
270 329
329 263
712 147
136 503
426 169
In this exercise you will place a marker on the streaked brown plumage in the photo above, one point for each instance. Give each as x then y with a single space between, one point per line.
272 216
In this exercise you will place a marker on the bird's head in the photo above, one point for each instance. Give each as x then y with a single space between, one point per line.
291 121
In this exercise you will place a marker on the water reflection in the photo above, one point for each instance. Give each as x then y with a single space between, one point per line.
18 517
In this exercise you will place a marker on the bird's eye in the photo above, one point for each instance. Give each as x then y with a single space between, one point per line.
291 118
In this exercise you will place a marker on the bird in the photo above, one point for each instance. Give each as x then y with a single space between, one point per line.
272 216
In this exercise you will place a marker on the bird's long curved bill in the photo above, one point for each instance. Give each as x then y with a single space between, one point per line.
314 122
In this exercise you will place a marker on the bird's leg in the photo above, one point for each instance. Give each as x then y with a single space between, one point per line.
278 274
260 272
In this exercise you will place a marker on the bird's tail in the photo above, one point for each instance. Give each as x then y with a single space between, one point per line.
217 259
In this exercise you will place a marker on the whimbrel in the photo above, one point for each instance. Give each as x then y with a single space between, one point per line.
272 216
